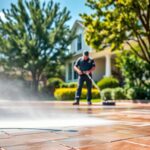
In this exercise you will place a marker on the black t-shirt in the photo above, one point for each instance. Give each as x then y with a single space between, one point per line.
85 65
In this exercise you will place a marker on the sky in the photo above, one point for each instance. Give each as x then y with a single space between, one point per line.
74 6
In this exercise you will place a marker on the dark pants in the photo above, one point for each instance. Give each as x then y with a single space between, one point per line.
81 80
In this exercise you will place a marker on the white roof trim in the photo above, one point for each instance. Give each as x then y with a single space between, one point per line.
77 23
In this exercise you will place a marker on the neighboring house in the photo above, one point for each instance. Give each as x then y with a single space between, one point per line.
104 59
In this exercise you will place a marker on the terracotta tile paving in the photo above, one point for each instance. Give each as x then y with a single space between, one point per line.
141 140
39 146
116 146
78 142
30 138
130 129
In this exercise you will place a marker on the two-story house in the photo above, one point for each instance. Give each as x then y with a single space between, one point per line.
103 59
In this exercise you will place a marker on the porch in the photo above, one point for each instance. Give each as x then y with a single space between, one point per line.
105 66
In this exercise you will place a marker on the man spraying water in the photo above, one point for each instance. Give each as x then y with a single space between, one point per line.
84 66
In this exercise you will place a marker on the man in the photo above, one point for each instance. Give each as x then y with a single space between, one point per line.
83 66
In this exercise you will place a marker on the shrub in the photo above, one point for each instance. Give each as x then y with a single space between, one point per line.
69 93
130 94
73 85
106 94
64 93
138 93
95 94
108 82
69 85
113 94
141 93
54 82
136 73
64 85
118 93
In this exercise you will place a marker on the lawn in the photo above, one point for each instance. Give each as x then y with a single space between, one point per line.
93 100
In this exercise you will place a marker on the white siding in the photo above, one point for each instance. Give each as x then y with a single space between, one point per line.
85 46
100 69
72 72
79 30
73 46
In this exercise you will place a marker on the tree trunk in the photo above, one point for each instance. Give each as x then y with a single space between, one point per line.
35 83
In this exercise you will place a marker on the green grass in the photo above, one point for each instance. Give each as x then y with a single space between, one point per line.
93 100
84 100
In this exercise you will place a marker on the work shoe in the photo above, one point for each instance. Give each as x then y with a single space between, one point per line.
76 103
89 103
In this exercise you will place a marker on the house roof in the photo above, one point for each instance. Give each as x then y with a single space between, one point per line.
76 24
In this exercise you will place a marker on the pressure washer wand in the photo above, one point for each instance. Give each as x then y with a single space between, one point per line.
96 86
107 103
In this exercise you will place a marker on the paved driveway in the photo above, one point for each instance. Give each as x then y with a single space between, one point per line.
45 125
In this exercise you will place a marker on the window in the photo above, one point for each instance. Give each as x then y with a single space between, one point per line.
70 71
75 74
79 42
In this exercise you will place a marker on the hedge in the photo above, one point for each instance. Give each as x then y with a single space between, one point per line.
106 94
108 82
118 94
54 82
113 94
72 85
130 94
138 93
69 85
69 93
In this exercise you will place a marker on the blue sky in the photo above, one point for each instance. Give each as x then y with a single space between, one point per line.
75 7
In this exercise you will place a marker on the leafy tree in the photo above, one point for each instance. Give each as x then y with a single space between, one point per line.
136 73
116 22
134 69
35 37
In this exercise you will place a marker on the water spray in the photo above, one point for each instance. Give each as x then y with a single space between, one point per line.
106 102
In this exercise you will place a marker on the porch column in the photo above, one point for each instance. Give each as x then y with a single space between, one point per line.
72 72
108 65
66 72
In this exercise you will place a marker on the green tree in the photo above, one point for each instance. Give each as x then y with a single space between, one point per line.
136 73
116 22
35 37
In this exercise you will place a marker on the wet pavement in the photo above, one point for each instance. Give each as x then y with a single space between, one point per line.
60 126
